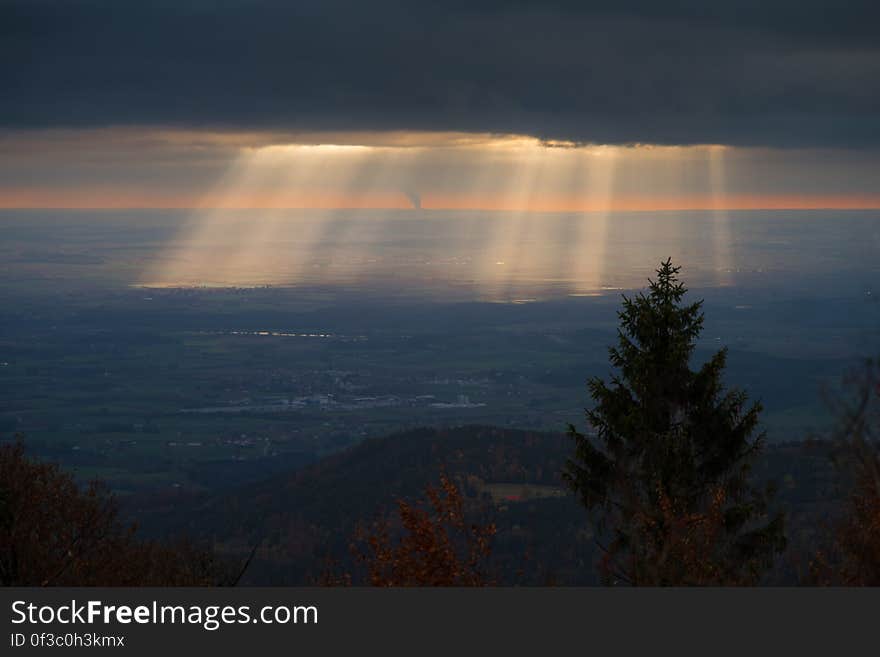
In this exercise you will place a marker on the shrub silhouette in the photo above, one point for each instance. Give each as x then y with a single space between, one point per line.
852 557
53 533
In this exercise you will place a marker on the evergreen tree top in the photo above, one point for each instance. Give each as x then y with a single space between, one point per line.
657 334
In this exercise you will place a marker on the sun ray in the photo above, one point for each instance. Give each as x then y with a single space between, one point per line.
721 234
546 215
591 240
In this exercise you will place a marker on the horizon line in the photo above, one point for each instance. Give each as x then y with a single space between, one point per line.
452 208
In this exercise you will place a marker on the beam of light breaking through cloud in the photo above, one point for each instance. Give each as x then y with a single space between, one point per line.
374 207
722 237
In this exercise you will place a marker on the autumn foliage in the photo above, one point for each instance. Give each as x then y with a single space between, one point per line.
434 544
681 547
859 534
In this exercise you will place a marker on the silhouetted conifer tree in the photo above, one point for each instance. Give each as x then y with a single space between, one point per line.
664 465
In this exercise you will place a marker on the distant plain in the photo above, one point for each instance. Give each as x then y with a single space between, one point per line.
252 361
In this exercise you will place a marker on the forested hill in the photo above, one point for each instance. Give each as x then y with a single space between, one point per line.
511 477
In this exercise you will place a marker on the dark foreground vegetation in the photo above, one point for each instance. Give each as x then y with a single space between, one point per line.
672 484
305 524
52 533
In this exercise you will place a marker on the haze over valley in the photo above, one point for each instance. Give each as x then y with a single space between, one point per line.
392 319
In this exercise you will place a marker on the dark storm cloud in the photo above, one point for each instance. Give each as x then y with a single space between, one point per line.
788 73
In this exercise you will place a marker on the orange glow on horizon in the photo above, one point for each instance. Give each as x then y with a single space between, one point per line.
137 199
658 203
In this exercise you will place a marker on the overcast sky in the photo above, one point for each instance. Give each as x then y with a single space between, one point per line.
789 75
